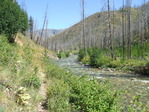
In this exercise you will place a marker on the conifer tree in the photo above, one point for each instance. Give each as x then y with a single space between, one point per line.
12 19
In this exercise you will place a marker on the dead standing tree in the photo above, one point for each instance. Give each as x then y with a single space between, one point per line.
129 37
83 27
113 31
110 33
46 42
39 39
123 28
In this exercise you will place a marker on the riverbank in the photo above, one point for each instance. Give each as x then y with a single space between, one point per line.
101 59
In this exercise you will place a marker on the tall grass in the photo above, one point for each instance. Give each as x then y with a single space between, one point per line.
16 70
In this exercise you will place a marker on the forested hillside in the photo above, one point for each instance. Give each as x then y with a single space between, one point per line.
97 30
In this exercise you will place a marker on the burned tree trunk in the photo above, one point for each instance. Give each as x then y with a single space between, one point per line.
110 33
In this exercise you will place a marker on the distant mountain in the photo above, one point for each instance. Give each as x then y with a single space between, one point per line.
49 32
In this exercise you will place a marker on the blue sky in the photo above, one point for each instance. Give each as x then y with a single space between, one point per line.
64 13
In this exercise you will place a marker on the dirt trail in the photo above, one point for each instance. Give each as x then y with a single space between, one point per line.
42 92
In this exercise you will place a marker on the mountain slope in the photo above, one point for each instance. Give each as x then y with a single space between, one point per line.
49 32
96 31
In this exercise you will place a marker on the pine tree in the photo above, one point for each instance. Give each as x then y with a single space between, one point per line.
12 19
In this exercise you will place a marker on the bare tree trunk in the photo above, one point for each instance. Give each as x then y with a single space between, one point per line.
147 26
110 34
35 29
129 28
142 35
142 30
123 29
45 19
83 27
46 39
113 25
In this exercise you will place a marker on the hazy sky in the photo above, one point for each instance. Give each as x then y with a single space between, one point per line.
64 13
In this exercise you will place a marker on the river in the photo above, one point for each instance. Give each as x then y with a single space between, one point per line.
132 84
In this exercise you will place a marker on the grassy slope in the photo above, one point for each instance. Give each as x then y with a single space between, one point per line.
20 69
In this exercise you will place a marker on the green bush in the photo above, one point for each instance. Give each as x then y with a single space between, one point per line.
116 63
32 80
61 54
98 58
95 55
58 96
81 54
93 96
67 54
12 19
7 52
86 60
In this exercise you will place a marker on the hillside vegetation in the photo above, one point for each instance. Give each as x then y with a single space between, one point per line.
21 68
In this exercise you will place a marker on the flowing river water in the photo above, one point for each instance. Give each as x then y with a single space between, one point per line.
132 84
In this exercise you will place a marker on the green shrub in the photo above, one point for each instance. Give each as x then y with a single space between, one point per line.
86 60
98 58
92 96
115 64
61 54
94 54
7 51
81 54
58 96
12 19
67 54
32 80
